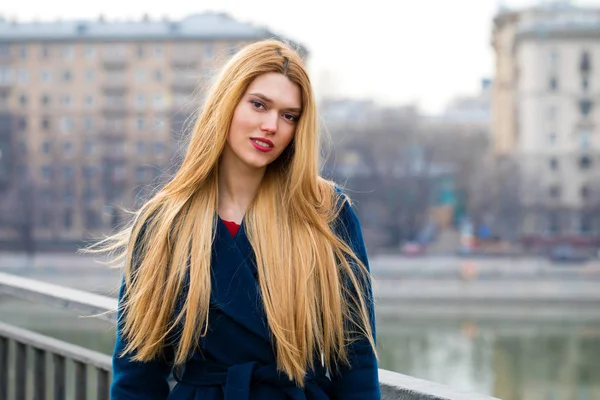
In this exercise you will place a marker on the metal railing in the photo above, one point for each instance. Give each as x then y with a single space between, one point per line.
17 342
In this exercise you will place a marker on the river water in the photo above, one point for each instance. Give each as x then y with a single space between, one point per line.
534 358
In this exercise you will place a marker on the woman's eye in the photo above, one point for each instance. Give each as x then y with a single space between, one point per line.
257 104
290 117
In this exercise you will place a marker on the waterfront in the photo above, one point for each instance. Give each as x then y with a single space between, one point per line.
513 350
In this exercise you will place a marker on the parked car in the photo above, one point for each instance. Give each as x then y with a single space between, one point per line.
566 253
413 249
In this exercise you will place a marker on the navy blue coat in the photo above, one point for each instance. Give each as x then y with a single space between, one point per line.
237 361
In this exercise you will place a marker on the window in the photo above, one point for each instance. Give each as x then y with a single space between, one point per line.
585 106
45 99
5 74
68 173
140 174
140 101
585 192
46 76
23 100
22 123
158 75
89 100
68 52
139 147
140 75
553 223
554 59
46 147
46 219
90 52
67 76
554 191
23 172
89 75
68 148
585 83
89 147
159 148
23 52
140 123
158 100
585 162
585 223
23 76
45 53
68 216
67 100
553 164
585 64
584 140
89 123
552 113
89 171
208 49
92 219
158 51
140 51
66 124
45 123
553 84
46 172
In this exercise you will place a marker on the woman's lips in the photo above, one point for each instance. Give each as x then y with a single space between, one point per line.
262 144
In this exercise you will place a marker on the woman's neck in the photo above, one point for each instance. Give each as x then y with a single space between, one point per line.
238 186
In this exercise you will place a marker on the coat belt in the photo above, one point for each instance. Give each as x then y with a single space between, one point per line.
237 379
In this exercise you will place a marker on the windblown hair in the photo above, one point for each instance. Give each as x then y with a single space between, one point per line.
311 282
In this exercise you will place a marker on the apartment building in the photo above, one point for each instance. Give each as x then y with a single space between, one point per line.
545 114
95 110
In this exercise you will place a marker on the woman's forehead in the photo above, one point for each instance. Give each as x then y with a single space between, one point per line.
278 89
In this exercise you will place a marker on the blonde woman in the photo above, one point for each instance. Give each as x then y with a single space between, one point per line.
246 276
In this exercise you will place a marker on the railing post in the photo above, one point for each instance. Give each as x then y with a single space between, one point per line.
3 368
39 377
80 381
102 384
58 371
20 371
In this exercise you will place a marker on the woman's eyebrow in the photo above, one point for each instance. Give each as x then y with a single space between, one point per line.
268 100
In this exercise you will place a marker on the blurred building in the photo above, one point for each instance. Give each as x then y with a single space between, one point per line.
465 115
545 114
93 110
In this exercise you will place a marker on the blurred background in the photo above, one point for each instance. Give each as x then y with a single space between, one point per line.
467 133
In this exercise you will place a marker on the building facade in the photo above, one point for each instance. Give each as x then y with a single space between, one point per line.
545 113
97 109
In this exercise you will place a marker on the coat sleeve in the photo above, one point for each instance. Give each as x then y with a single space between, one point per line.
134 380
359 379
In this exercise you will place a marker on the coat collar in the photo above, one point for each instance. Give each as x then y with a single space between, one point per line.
235 288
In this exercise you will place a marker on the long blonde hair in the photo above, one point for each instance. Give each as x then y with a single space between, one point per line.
310 279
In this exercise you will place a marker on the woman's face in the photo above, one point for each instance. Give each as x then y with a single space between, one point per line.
264 121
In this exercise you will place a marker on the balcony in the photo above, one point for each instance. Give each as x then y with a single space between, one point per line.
115 107
185 81
17 342
114 59
115 83
184 59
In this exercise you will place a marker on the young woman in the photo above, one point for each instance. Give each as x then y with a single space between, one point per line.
246 276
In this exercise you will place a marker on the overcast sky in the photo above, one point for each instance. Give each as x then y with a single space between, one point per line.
394 51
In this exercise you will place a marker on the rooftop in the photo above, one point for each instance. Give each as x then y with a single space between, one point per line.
210 25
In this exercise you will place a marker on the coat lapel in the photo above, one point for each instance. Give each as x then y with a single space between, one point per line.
235 289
